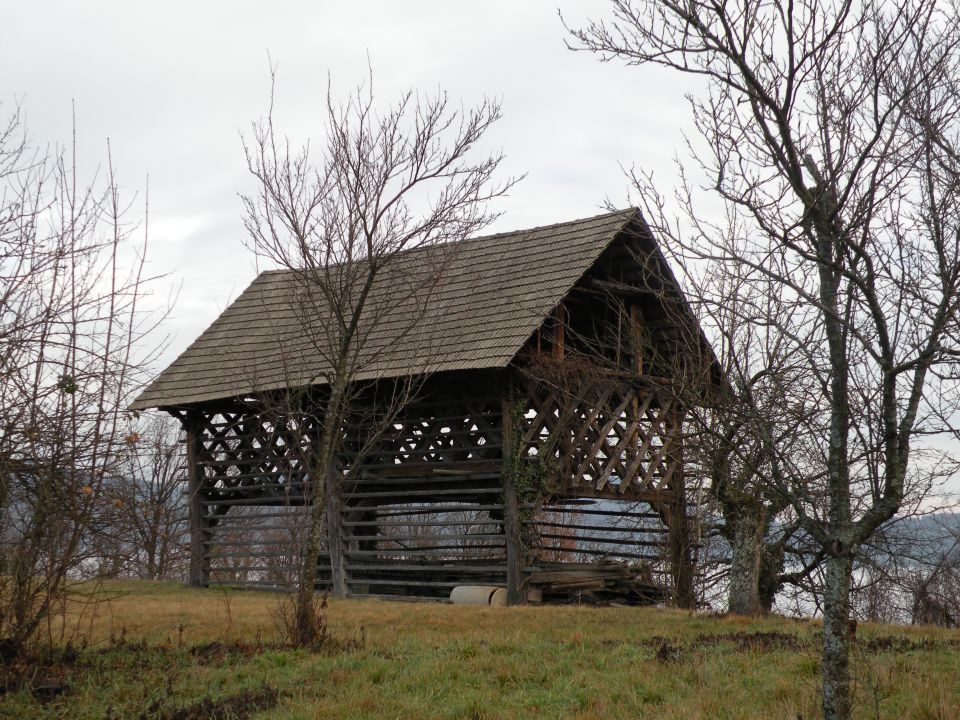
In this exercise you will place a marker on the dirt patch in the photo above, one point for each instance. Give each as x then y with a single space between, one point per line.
759 641
45 683
232 707
667 652
213 653
742 641
900 644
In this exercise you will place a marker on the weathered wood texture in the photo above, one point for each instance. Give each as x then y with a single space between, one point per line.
493 294
608 436
546 430
431 506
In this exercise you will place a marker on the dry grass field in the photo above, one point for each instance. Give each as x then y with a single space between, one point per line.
164 651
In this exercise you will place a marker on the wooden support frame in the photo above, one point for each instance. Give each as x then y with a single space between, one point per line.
435 505
681 562
198 520
512 529
619 438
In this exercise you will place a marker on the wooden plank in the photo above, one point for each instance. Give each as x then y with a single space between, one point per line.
432 538
421 523
438 476
414 552
592 511
602 540
403 582
275 499
599 553
435 509
465 492
399 598
252 543
199 569
601 528
256 569
468 465
420 567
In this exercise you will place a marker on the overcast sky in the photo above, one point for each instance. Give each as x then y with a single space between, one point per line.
174 84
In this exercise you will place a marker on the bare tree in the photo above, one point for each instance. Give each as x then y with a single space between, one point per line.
69 329
385 182
907 572
142 531
830 132
761 379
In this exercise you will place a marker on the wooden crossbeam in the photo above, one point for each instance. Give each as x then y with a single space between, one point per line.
616 454
603 434
642 453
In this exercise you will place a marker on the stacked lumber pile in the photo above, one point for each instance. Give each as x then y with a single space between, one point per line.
607 583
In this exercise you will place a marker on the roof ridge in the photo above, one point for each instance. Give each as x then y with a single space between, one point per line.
492 236
492 299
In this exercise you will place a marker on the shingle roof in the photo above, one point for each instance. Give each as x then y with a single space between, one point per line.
492 294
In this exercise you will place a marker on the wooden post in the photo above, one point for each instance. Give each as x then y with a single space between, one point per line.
338 571
511 507
199 562
636 337
559 331
681 564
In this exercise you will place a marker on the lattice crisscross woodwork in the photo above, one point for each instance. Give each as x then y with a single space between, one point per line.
425 504
611 437
451 433
246 458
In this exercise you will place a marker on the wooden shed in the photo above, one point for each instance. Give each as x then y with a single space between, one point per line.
554 370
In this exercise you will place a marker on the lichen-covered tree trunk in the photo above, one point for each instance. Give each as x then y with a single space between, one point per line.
323 499
770 581
334 503
745 562
836 638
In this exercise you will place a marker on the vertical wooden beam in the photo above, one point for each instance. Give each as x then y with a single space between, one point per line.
511 504
636 337
679 527
199 562
559 330
636 343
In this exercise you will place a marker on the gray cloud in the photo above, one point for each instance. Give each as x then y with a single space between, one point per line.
173 84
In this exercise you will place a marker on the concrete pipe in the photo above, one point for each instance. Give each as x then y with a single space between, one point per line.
479 595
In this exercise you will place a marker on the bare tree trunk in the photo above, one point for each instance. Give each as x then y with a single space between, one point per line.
745 562
334 502
836 638
769 581
334 224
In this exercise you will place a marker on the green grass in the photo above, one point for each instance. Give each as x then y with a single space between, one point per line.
404 660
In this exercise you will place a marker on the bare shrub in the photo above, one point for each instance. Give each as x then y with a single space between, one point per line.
387 180
70 281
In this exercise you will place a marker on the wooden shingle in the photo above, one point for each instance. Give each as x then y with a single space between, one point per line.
493 293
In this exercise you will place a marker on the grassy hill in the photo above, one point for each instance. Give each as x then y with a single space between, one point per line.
163 651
